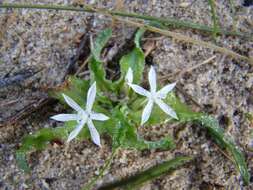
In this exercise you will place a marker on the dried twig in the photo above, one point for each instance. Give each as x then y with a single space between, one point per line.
179 74
187 39
28 110
83 65
82 53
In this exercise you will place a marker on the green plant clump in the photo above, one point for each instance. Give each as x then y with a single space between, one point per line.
124 108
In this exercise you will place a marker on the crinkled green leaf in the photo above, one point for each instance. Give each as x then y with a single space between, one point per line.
96 65
98 74
135 59
39 141
135 181
74 88
100 42
77 89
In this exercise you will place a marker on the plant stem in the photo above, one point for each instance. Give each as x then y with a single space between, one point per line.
102 170
135 181
166 21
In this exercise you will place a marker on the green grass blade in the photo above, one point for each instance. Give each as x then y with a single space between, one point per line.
214 18
138 36
138 179
218 135
172 22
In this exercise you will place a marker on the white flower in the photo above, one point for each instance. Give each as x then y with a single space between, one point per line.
129 76
154 97
83 116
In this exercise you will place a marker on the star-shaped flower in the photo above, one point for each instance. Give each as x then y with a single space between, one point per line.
83 116
153 96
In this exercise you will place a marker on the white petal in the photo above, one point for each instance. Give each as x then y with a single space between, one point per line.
147 112
152 79
94 133
167 109
139 90
76 131
165 90
129 76
91 97
72 103
65 117
99 116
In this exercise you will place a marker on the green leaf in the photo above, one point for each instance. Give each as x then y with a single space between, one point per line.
39 141
100 42
136 180
135 59
98 74
96 66
138 37
74 88
77 89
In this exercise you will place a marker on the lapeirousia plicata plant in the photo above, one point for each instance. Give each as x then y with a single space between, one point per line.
118 108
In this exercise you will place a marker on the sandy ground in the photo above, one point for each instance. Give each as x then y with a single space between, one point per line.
48 39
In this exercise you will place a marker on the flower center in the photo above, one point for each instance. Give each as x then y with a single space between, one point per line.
154 96
82 115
